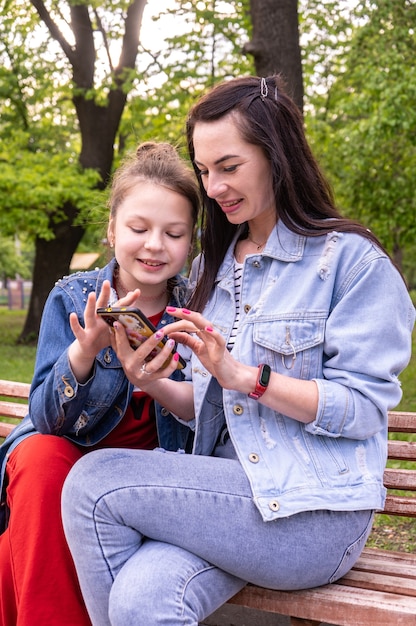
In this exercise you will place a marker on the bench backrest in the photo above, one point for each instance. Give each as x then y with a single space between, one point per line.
9 392
398 481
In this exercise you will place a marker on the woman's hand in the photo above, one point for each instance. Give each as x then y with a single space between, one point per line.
290 396
208 344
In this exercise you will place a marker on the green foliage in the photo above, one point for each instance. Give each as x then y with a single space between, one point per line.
408 377
359 81
39 170
16 258
35 184
205 49
364 125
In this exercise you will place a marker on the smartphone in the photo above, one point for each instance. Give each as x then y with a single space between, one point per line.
138 328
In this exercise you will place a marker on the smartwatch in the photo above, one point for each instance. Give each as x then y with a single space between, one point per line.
263 378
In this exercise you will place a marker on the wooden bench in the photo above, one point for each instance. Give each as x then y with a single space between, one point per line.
379 590
12 391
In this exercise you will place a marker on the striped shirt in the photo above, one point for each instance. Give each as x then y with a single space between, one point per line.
238 274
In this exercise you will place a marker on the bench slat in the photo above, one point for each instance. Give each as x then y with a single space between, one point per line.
12 409
393 563
6 428
399 505
379 582
14 389
402 422
400 479
335 604
402 450
9 408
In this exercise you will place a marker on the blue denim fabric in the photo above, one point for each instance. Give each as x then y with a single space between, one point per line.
166 538
330 308
58 404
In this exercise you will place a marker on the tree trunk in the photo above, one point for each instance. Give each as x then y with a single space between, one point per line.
275 43
98 127
52 261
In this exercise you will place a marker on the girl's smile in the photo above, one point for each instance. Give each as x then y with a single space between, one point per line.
152 233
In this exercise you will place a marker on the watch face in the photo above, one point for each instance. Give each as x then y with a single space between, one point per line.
265 376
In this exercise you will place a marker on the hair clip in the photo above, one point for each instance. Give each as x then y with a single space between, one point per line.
264 90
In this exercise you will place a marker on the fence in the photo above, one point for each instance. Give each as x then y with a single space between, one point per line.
15 294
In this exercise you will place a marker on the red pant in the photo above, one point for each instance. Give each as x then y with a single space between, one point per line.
38 581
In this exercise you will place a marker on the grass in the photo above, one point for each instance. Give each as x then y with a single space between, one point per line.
389 532
17 362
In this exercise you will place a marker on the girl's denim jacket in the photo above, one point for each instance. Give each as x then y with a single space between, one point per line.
86 413
331 309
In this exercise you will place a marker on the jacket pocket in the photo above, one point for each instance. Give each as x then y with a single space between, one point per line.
292 345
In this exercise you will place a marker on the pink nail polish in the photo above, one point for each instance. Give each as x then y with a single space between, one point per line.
170 309
186 311
176 356
209 329
159 334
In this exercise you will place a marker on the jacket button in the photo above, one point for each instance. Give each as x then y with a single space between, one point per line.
274 505
237 409
68 391
256 264
247 308
164 412
107 356
253 457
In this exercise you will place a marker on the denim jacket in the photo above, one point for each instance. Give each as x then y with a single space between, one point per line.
331 309
84 413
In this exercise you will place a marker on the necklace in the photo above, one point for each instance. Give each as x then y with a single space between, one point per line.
256 243
123 291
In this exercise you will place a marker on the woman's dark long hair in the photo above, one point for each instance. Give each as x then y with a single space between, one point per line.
266 117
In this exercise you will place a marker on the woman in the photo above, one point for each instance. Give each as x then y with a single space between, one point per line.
295 365
80 397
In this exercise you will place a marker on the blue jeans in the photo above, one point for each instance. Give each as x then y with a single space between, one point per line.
166 538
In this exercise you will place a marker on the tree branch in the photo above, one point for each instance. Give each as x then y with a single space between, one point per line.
53 28
105 40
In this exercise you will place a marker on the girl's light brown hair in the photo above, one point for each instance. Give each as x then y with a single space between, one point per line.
157 163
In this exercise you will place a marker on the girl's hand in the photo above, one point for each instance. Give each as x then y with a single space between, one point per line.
90 338
139 370
95 334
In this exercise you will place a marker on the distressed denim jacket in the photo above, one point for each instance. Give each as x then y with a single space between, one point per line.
331 309
84 413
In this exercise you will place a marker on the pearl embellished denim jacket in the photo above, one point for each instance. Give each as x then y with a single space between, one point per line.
332 309
85 413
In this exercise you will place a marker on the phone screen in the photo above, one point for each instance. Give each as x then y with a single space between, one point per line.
138 327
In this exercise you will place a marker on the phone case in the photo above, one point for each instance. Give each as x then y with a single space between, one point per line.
138 327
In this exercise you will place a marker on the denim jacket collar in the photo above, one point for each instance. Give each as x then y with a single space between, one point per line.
282 244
